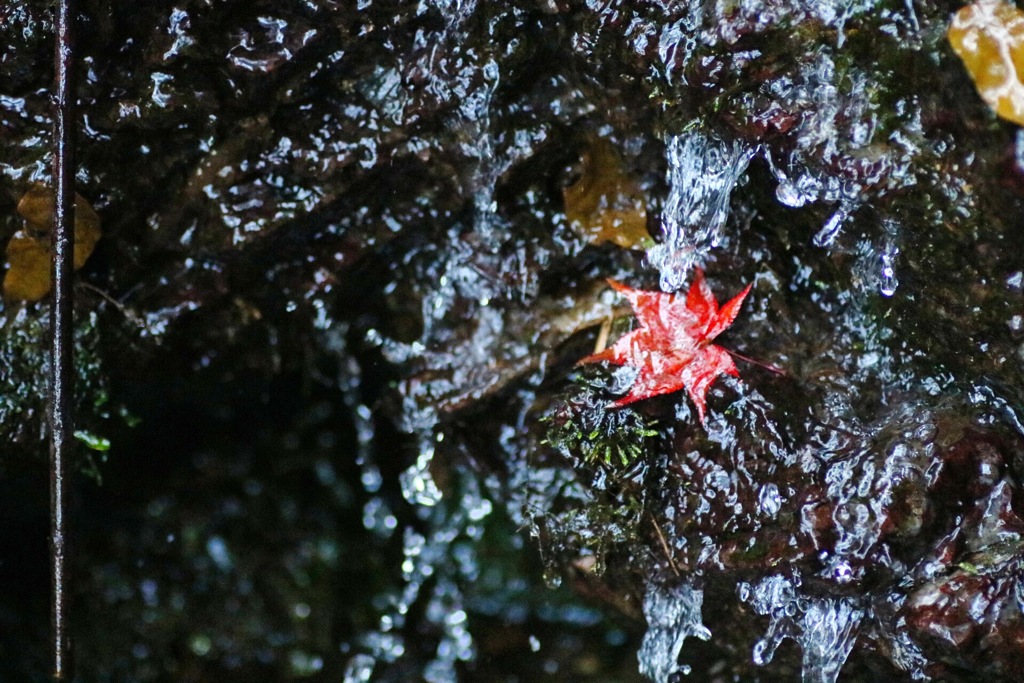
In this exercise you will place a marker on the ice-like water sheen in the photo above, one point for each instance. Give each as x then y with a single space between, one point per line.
702 172
827 235
825 627
828 633
888 282
890 250
467 79
776 598
673 614
455 12
475 110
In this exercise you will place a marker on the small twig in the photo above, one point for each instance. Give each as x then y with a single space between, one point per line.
770 368
111 300
602 336
664 545
836 428
130 315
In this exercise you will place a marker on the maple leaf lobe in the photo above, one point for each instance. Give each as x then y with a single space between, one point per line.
672 349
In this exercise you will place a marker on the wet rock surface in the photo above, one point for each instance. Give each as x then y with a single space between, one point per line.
332 425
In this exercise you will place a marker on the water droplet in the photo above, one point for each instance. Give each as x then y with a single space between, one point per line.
304 664
159 97
418 486
359 669
769 500
1019 150
552 579
833 225
888 283
787 193
842 572
377 517
200 644
761 653
217 549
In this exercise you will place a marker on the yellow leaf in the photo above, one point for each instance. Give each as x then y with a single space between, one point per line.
28 269
988 36
28 251
606 204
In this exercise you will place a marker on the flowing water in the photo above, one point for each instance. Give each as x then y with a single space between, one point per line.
673 615
825 628
702 173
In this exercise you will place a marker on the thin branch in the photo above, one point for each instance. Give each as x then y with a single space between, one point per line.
128 314
770 368
602 335
664 544
62 332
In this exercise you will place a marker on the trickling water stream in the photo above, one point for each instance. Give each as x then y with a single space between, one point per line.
673 615
702 173
825 628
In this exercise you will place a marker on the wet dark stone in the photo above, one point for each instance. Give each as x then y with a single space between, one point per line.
331 335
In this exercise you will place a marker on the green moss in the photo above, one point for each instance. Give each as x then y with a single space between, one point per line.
24 376
581 426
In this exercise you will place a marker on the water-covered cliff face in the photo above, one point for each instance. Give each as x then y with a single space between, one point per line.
330 333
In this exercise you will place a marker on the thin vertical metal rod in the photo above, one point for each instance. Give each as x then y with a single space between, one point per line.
61 332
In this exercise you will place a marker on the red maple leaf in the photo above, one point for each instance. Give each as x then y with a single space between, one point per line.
672 348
